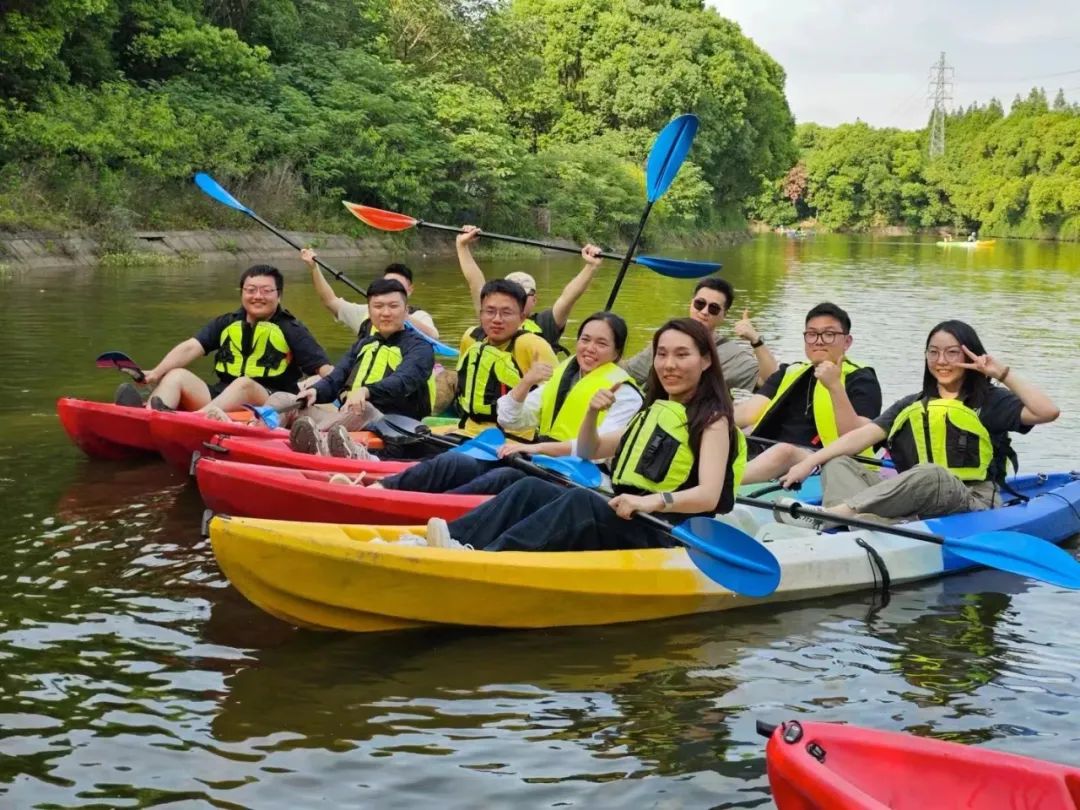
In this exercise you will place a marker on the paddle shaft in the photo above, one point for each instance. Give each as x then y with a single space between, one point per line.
628 257
796 509
517 240
873 462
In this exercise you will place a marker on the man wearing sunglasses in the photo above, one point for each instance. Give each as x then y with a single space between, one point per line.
745 365
808 404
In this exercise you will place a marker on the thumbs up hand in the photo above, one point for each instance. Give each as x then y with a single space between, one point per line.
744 328
603 399
538 371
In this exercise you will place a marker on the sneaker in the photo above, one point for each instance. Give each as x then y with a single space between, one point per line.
438 535
158 405
782 514
128 396
410 540
304 437
341 444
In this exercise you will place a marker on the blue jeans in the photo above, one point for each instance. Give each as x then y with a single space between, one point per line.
455 473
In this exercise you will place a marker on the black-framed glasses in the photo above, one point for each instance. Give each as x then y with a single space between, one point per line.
826 338
714 308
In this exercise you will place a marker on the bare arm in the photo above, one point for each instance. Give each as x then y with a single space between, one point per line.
590 444
1038 407
179 356
748 411
849 444
423 323
323 289
767 363
577 286
474 276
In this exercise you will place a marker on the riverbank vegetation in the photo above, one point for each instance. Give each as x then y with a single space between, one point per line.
529 116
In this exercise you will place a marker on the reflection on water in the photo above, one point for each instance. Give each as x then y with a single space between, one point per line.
133 675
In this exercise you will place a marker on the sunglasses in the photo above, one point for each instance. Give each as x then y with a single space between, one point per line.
714 308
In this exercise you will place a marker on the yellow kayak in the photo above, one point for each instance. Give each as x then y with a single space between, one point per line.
967 245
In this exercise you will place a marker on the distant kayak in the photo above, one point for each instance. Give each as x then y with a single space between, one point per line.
982 243
828 766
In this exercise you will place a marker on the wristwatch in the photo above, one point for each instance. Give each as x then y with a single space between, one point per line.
757 343
669 500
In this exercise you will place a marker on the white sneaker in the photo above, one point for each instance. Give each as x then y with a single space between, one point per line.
782 514
438 535
410 540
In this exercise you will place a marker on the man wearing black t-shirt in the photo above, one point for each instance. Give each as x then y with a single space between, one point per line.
258 349
810 403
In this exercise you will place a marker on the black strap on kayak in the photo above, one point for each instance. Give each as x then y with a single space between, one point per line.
878 567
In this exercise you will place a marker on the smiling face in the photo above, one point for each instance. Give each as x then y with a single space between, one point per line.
824 339
387 312
679 365
943 354
595 345
500 316
708 307
260 297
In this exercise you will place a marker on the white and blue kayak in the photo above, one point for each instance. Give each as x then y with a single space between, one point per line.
356 577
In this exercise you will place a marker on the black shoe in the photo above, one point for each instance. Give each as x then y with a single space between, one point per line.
158 405
128 396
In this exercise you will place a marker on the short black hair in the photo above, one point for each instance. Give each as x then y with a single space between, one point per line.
397 268
721 286
264 270
385 286
832 311
501 285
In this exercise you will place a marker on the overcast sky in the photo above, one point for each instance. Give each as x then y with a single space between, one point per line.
867 59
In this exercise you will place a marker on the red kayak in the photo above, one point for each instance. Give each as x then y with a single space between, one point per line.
826 766
280 493
179 434
104 430
277 453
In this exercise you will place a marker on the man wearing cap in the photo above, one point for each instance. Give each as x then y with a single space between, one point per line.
548 323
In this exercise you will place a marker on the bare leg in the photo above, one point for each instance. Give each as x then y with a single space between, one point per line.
239 391
181 389
773 463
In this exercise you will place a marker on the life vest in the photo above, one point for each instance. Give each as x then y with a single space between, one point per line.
563 404
655 455
485 373
269 354
367 330
945 432
375 360
824 415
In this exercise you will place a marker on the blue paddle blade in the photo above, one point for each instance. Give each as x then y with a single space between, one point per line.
729 556
440 348
484 447
579 470
267 415
211 188
1018 553
677 268
667 154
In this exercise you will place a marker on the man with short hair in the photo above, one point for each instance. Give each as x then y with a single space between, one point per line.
549 323
808 404
744 367
259 349
355 316
389 370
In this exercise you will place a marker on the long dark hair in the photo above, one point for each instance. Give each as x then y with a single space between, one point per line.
711 400
615 323
974 386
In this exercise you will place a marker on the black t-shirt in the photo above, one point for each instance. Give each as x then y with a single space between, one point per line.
549 328
307 356
794 420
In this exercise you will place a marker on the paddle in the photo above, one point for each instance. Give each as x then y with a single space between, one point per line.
869 460
269 416
1015 552
121 362
393 221
209 186
665 158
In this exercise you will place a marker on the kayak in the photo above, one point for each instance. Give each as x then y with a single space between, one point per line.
272 452
828 766
280 493
967 245
179 434
335 577
105 430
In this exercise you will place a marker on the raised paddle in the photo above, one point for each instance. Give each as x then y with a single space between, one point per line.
209 186
665 158
393 221
1015 552
121 362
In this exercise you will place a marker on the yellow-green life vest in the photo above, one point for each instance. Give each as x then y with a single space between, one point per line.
485 373
563 406
375 360
945 432
269 355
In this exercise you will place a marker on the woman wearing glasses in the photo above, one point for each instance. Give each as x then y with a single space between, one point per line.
950 441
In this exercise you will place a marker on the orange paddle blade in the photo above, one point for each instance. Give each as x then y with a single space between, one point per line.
378 218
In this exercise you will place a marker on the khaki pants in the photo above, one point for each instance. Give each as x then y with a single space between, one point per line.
324 416
924 491
445 390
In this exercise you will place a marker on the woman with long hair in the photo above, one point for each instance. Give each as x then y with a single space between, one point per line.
655 464
949 441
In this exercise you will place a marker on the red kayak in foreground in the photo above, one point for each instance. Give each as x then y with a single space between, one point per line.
105 430
827 766
279 493
276 453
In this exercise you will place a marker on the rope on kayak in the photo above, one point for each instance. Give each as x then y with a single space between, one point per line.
877 566
1068 503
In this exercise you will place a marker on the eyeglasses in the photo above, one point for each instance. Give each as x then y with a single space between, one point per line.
824 338
953 354
714 308
505 314
256 290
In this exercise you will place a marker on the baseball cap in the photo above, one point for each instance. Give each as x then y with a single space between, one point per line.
527 282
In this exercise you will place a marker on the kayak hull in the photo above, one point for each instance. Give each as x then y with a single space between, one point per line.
280 493
289 567
104 430
277 453
827 766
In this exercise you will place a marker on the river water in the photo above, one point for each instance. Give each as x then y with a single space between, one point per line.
132 675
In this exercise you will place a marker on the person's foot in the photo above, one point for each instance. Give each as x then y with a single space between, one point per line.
807 516
345 480
341 444
128 396
215 413
438 535
158 405
305 437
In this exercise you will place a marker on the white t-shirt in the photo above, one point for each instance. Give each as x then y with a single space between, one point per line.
522 416
353 315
